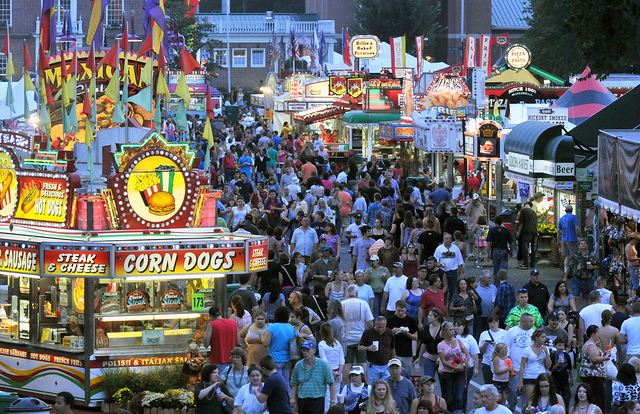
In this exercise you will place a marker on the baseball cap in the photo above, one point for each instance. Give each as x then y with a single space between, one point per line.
325 248
534 272
374 257
422 267
430 258
553 315
394 361
356 369
426 378
308 344
398 264
476 196
358 215
358 271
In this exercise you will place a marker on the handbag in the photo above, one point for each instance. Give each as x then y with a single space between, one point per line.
612 371
293 349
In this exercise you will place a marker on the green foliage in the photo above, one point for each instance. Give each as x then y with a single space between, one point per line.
386 19
546 229
155 379
568 35
195 35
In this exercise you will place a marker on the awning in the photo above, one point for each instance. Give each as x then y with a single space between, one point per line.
511 75
360 119
396 131
539 150
311 116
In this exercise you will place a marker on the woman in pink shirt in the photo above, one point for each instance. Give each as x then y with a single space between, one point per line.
454 360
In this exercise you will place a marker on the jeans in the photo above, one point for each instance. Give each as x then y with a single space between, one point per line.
284 368
584 286
376 372
529 243
452 279
452 385
633 274
376 304
500 259
429 367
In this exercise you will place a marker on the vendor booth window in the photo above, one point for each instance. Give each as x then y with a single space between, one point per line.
61 309
257 58
239 58
220 57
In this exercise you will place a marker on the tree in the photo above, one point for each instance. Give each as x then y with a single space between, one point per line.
568 35
195 35
387 19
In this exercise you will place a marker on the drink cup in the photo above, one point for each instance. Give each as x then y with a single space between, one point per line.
376 344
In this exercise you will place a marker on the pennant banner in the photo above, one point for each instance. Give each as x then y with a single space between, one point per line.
398 48
470 53
485 54
419 46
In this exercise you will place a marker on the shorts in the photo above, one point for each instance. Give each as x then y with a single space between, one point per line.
481 243
569 248
352 352
502 386
529 381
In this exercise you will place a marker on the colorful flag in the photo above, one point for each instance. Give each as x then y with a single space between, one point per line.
147 72
161 87
496 110
124 40
91 60
501 40
470 53
111 58
507 112
419 47
346 47
295 46
47 25
398 48
43 61
181 118
208 135
73 118
113 88
187 62
154 22
94 32
7 51
45 121
162 61
209 105
485 54
118 114
86 104
324 51
143 98
146 45
182 90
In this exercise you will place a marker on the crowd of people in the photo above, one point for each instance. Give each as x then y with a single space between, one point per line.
366 285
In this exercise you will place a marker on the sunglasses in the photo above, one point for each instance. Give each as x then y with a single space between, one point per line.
522 290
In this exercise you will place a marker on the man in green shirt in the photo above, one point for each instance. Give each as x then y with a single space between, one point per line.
523 306
376 276
309 382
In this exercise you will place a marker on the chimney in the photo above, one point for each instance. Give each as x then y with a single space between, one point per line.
269 15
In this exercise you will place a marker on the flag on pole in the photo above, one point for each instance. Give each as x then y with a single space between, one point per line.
113 88
209 106
154 22
125 87
324 51
162 88
501 40
182 90
118 114
28 83
94 32
187 62
398 48
208 135
496 110
124 40
507 112
73 118
111 58
295 46
44 123
346 47
143 98
47 25
181 118
419 47
7 51
146 45
86 104
146 75
470 54
43 61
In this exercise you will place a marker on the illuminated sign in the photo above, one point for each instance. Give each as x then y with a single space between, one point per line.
155 187
488 140
447 94
20 260
338 84
76 263
355 87
182 262
396 132
385 83
16 139
365 47
257 255
44 198
517 57
8 183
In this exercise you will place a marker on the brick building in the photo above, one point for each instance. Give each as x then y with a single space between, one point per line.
250 37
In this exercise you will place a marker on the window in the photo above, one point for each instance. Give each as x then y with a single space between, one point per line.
3 64
239 58
115 8
5 12
257 58
220 57
62 7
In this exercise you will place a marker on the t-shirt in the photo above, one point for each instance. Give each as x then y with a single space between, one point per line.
361 251
281 335
234 380
246 168
277 388
394 287
386 342
488 296
248 401
557 334
209 405
439 196
248 299
403 343
403 393
501 409
518 340
365 292
356 315
377 277
430 300
500 336
605 296
472 346
631 328
354 230
429 240
223 340
535 363
592 314
568 224
450 257
312 383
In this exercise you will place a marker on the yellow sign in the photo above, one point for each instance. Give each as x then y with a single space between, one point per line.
365 47
8 185
44 199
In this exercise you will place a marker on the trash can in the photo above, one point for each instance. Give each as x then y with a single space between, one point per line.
6 398
232 112
27 406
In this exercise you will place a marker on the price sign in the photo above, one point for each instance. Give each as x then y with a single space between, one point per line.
197 302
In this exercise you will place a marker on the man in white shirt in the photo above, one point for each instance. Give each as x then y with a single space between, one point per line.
487 292
630 333
518 339
489 394
592 314
450 260
357 318
605 294
287 178
393 288
353 232
294 187
304 239
365 292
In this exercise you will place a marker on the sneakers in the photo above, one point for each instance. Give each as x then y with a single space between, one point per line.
523 266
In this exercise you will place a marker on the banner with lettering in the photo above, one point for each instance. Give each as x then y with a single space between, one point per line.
485 53
398 48
470 53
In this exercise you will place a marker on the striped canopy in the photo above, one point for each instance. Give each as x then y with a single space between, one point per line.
585 98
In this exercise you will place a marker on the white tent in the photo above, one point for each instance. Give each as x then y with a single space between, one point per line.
384 61
18 98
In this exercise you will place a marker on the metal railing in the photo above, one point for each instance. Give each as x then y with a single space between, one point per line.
267 26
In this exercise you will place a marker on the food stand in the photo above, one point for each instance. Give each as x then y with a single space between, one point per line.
122 278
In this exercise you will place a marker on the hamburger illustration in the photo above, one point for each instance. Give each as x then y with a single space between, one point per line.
162 203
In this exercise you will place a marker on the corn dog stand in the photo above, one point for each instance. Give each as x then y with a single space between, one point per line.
121 278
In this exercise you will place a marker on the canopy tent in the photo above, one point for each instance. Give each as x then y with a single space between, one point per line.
384 61
585 98
510 75
18 100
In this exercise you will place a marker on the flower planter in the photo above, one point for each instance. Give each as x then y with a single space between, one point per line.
160 410
110 407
